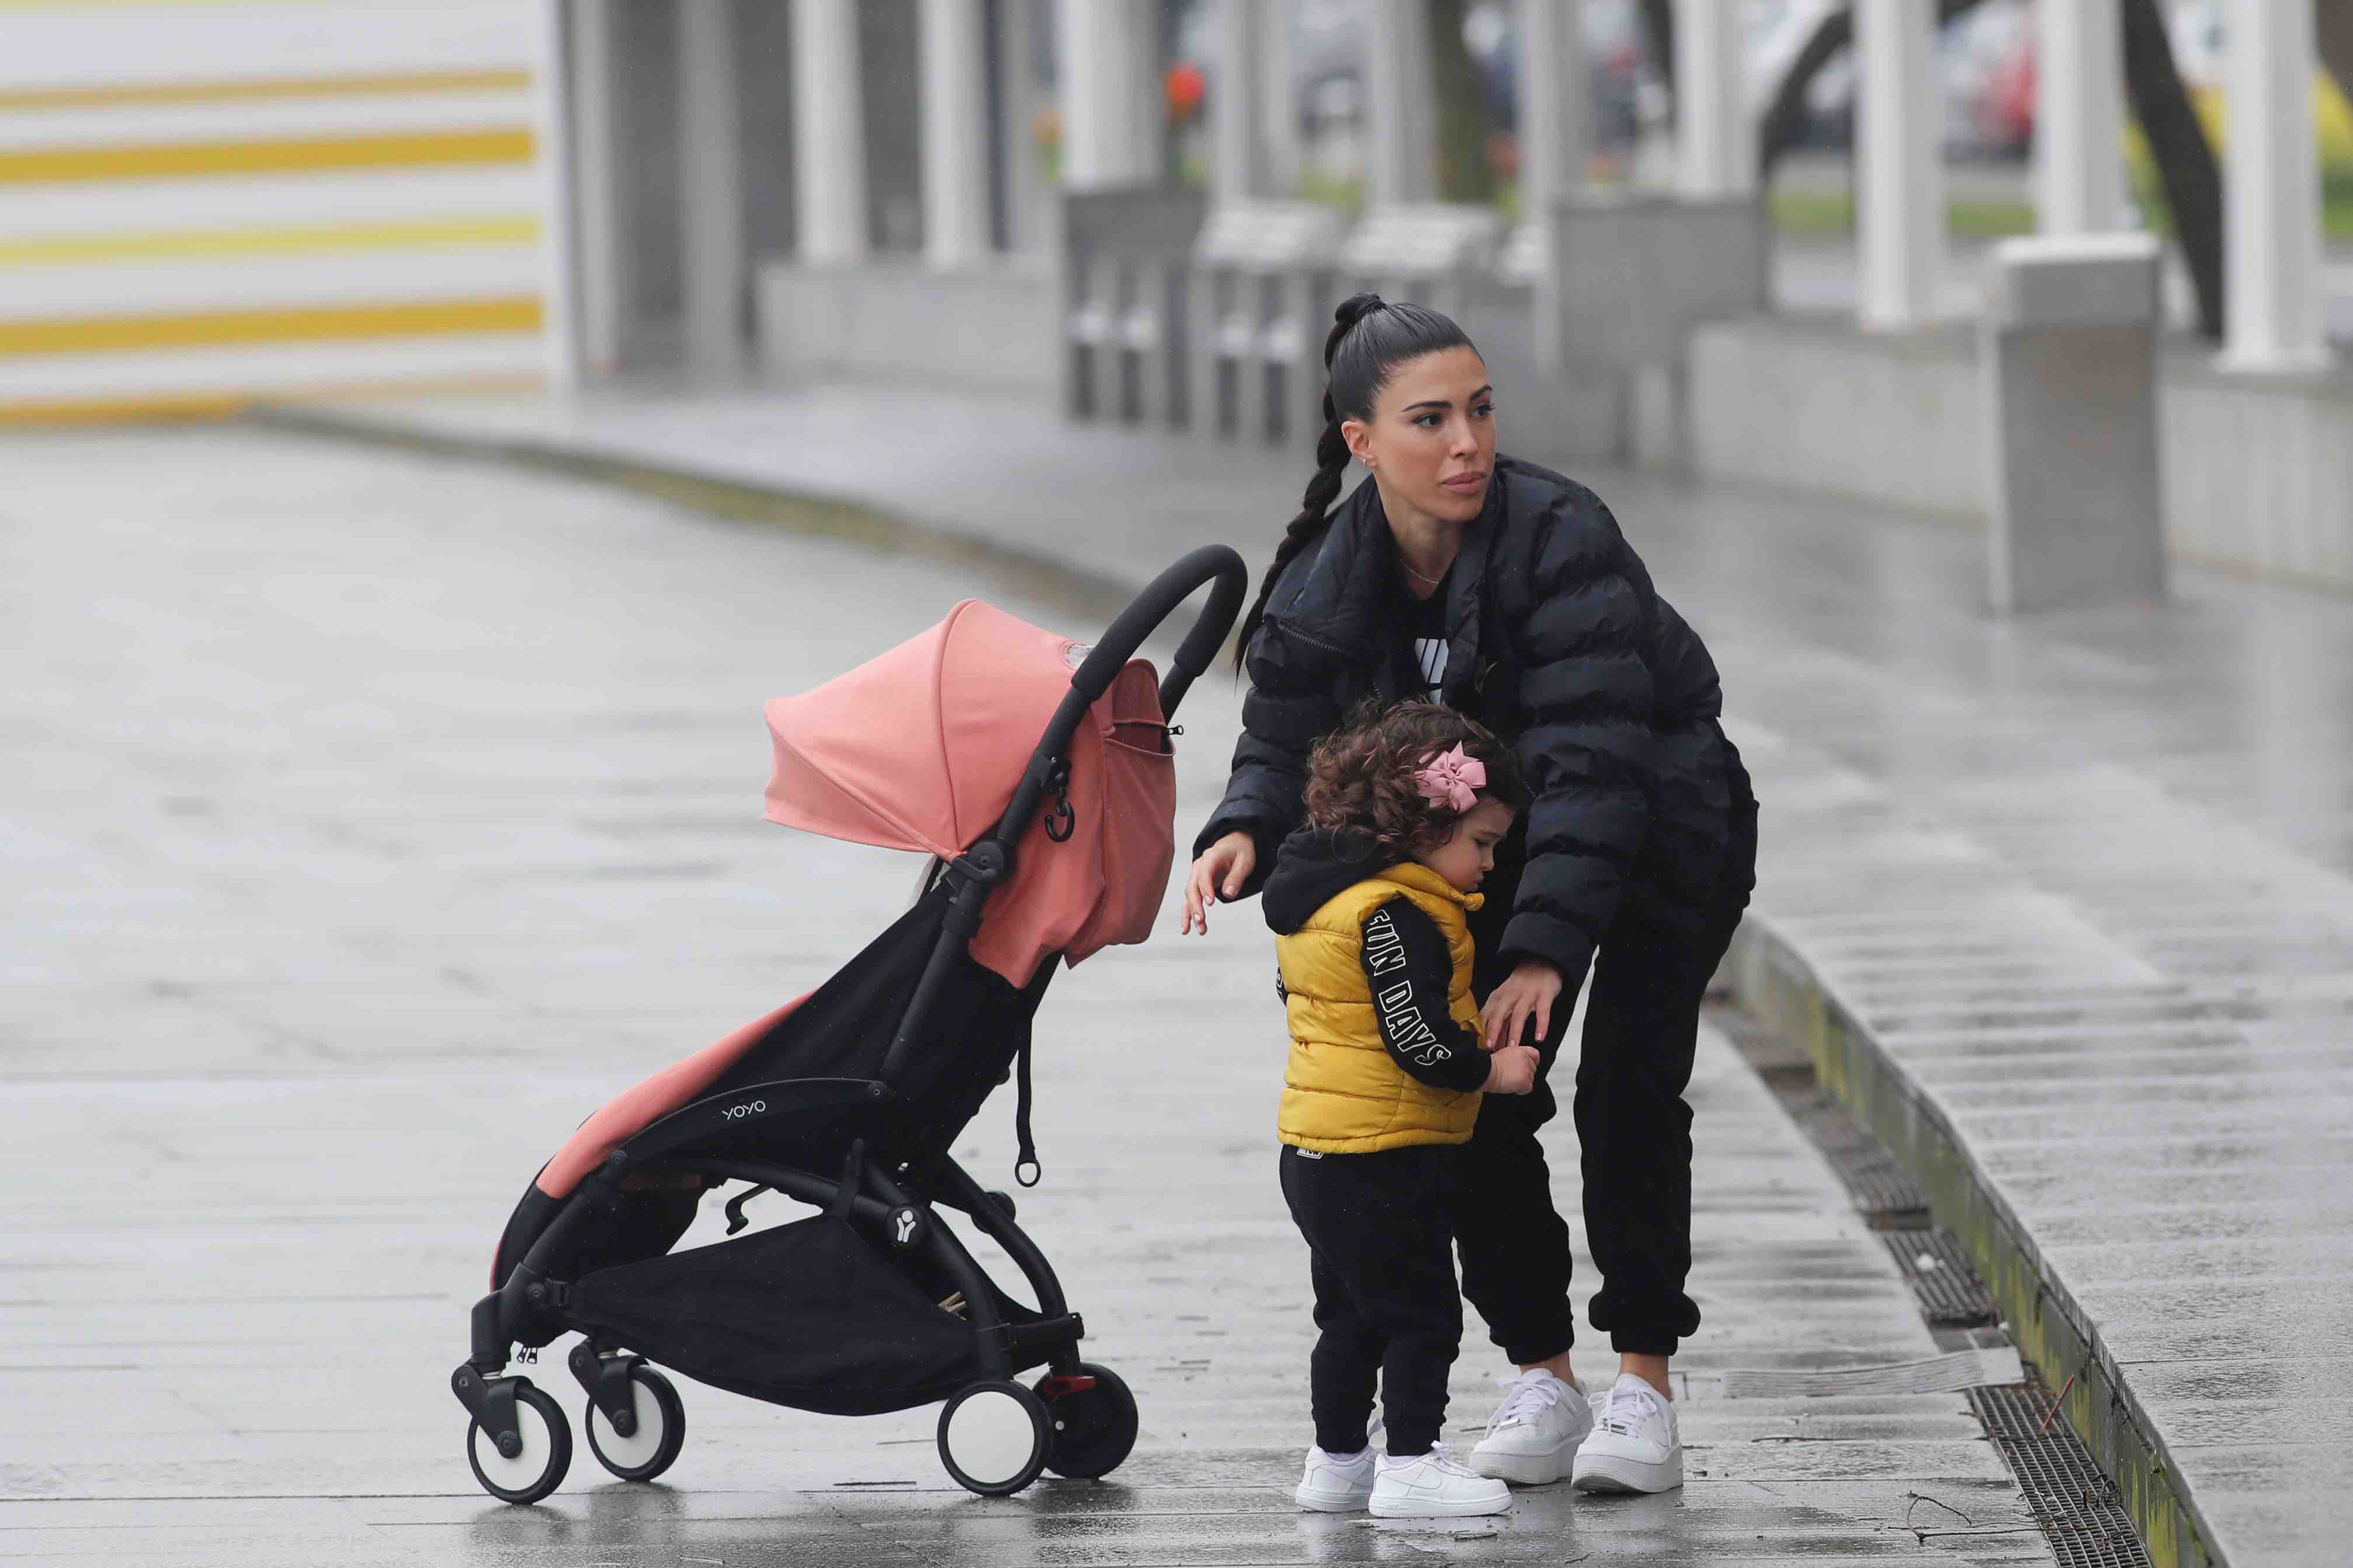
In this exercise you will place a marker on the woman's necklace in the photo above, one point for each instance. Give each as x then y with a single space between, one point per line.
1432 581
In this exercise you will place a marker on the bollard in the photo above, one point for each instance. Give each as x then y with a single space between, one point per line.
1262 273
2068 356
1125 281
1628 279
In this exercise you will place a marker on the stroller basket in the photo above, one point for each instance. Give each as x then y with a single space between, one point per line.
808 1314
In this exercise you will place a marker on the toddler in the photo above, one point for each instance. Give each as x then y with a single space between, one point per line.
1368 902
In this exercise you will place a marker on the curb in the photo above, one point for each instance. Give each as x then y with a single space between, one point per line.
719 495
1772 978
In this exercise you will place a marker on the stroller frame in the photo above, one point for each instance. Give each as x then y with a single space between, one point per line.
1093 1425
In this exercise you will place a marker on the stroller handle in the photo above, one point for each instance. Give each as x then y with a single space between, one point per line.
1159 600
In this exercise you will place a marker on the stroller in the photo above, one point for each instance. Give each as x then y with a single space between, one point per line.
848 1099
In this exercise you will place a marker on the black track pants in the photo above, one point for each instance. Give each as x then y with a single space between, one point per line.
1385 1294
1641 1029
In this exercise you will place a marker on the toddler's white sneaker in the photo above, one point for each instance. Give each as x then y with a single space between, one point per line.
1532 1439
1432 1486
1336 1483
1633 1447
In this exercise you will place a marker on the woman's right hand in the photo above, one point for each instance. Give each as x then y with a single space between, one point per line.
1220 872
1512 1070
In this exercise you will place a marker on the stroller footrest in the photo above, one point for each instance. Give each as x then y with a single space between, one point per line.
1046 1334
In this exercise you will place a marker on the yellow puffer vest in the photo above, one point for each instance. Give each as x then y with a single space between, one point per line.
1341 1094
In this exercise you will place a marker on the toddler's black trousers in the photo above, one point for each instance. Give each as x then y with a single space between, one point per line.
1382 1261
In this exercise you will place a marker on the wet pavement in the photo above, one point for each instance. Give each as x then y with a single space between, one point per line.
2088 877
369 819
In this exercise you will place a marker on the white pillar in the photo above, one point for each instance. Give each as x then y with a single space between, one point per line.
1237 108
2271 191
829 136
1106 92
955 128
1400 112
593 233
1556 106
1277 110
1900 224
1555 142
1017 106
2079 166
1715 135
711 187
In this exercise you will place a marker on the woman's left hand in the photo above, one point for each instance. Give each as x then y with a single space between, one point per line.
1527 994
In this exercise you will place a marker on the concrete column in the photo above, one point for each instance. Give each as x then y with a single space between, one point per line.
1017 90
829 136
2079 167
1277 110
1900 227
954 49
1400 113
1555 142
1556 105
1238 169
711 187
1716 134
2271 191
599 227
1101 48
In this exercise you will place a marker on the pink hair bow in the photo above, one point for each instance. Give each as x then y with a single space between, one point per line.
1451 778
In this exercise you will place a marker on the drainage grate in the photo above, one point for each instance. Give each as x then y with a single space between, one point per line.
2076 1506
1882 1189
1942 1277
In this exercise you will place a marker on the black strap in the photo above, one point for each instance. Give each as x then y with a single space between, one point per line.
853 1174
1026 1168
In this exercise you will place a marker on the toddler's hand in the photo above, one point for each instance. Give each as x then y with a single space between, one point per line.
1511 1070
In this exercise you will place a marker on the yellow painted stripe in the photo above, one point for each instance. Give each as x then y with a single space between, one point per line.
263 90
51 250
228 405
404 319
307 154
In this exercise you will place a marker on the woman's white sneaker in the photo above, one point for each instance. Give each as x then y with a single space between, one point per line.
1533 1438
1432 1486
1633 1447
1336 1483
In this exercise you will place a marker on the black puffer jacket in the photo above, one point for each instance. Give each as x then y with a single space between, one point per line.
1557 641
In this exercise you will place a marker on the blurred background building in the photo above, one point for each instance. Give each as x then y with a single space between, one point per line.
1144 207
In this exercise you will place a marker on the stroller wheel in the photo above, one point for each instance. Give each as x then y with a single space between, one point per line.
547 1453
1094 1428
661 1429
994 1436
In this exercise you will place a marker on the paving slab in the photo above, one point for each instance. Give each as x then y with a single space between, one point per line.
2117 840
371 818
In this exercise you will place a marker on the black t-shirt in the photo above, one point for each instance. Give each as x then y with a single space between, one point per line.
1422 650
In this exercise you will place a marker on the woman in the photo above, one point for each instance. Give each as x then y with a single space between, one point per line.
1506 592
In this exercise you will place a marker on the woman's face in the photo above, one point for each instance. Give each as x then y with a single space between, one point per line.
1432 439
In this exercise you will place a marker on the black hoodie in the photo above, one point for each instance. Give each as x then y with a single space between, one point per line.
1417 1026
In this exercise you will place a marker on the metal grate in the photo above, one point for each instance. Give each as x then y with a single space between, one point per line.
1882 1189
1943 1278
2076 1506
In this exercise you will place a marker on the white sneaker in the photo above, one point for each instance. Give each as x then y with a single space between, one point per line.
1532 1439
1432 1486
1633 1447
1336 1483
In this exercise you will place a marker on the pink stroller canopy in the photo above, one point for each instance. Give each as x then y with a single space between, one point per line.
921 750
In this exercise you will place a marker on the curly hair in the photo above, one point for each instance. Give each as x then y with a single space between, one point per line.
1360 777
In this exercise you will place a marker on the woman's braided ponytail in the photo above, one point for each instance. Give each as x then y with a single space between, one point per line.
1357 365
